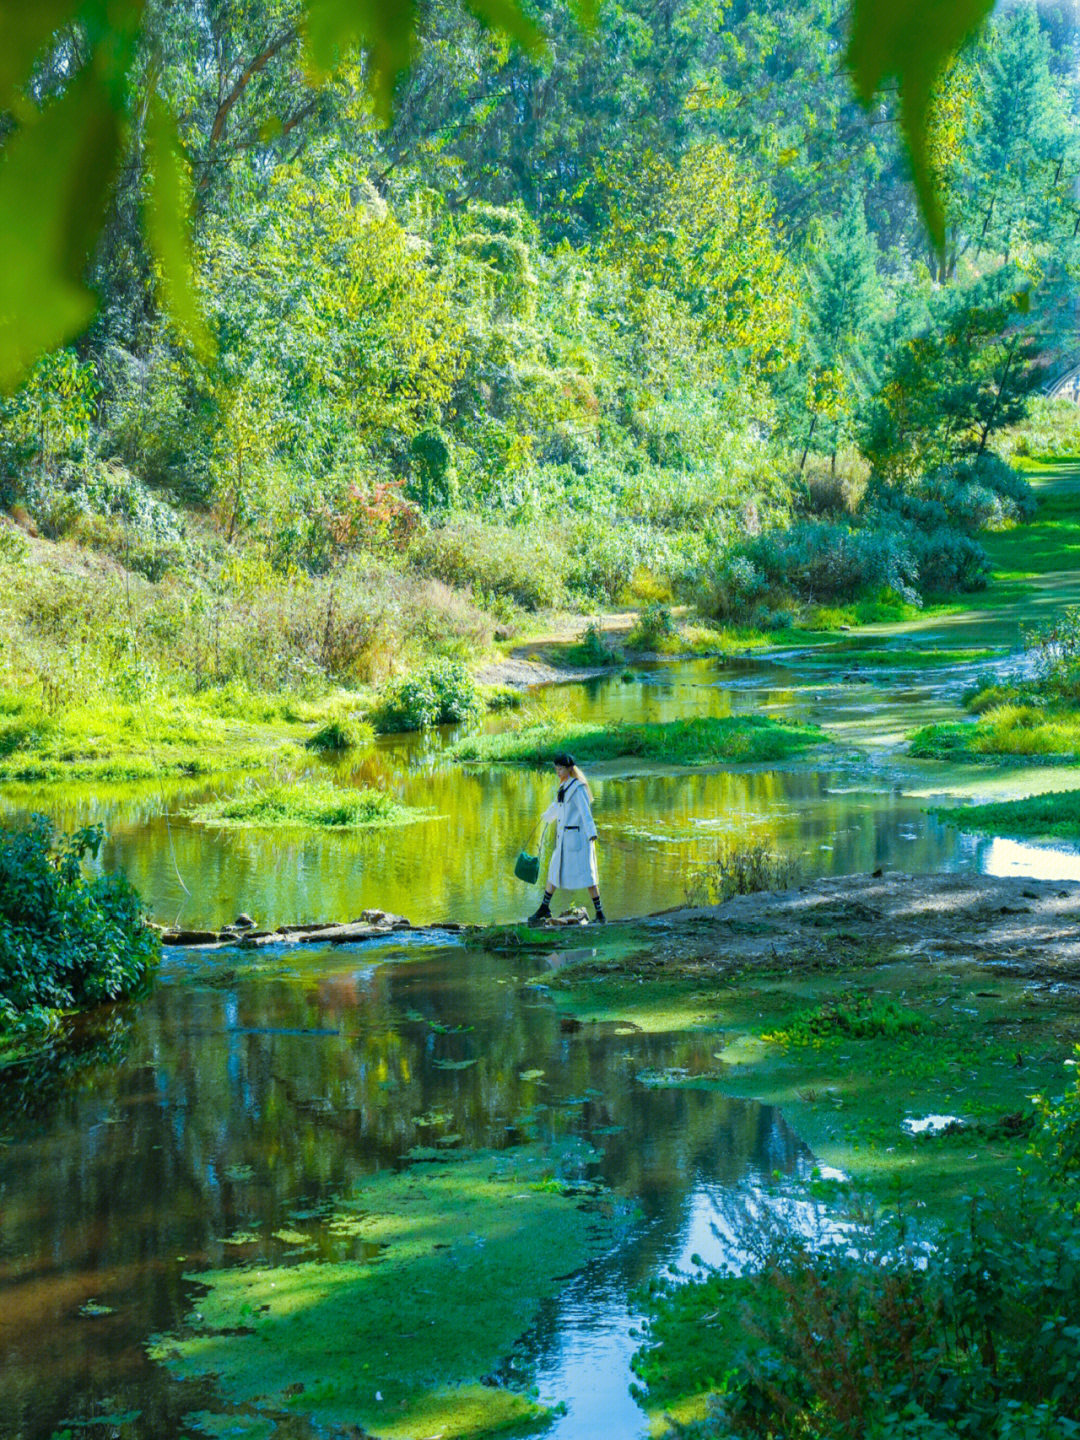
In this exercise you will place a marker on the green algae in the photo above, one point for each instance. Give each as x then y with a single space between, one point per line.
850 1055
399 1344
230 1427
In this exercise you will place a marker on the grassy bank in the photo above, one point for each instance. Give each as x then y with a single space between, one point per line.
310 806
1053 816
1004 732
703 741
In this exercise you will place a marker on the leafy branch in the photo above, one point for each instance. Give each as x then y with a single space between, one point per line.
68 68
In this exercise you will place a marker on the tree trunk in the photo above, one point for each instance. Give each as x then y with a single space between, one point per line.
809 438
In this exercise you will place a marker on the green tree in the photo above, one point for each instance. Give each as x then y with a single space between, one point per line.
948 388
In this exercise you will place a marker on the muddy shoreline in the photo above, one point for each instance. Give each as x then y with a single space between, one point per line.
1016 924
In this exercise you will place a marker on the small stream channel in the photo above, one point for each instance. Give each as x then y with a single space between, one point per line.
250 1084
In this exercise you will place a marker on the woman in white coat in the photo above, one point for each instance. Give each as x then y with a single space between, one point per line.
573 861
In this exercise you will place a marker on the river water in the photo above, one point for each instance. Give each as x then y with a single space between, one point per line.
248 1084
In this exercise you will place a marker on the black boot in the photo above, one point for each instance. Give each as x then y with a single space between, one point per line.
541 913
601 918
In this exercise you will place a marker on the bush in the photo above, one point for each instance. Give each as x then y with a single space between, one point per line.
655 628
819 561
65 939
977 1335
442 693
434 485
730 588
946 560
592 648
494 560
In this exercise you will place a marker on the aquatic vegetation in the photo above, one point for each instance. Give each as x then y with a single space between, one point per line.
66 939
1007 730
740 868
308 805
399 1344
703 740
847 1017
1053 816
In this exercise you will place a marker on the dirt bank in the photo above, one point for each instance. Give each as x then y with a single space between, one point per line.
1027 927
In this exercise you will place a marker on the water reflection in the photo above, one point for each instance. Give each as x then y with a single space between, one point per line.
258 1088
865 808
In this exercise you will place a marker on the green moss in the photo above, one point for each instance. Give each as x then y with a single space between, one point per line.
398 1344
1053 816
700 741
905 657
309 805
956 1043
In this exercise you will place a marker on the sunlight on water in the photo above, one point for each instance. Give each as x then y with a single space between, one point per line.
1040 862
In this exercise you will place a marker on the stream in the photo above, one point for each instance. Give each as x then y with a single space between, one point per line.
252 1086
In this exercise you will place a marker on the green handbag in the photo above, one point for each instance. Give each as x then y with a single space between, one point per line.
526 866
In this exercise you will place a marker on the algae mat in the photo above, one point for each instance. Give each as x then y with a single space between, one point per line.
451 1264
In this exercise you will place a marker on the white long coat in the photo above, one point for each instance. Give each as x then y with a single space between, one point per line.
573 861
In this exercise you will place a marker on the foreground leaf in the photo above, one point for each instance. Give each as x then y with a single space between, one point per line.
911 40
55 176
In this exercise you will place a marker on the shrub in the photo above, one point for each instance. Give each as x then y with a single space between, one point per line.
832 489
434 485
494 560
946 560
593 648
655 628
833 562
731 587
977 1335
13 546
442 693
65 939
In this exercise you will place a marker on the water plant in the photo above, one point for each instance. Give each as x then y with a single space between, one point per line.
1052 816
703 740
740 868
341 732
306 805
